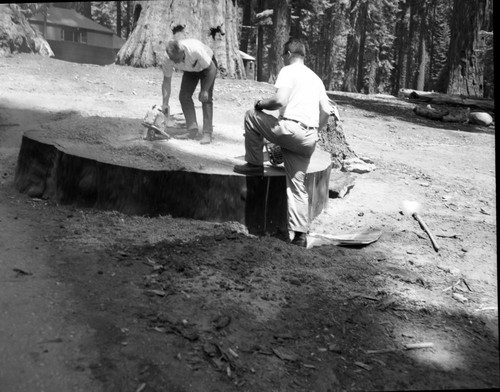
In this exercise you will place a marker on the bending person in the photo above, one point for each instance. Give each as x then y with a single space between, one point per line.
198 64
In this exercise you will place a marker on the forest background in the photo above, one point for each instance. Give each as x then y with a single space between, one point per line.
377 46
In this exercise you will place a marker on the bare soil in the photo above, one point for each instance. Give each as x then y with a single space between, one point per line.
100 301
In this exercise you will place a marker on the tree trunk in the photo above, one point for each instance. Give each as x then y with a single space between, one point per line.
281 33
295 27
422 52
432 45
399 48
17 35
351 61
246 31
337 16
362 40
213 22
119 18
128 21
260 53
373 66
465 75
409 47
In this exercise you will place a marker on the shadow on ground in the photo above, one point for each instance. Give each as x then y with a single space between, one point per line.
226 310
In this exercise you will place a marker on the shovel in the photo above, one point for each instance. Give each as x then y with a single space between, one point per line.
413 208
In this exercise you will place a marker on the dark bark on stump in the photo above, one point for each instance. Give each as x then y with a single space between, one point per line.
332 140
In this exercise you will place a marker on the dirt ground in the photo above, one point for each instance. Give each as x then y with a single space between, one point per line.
100 301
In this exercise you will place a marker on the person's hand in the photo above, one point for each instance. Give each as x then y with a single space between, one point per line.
257 106
165 109
203 97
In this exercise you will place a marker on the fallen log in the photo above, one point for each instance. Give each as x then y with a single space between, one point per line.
461 115
430 112
444 99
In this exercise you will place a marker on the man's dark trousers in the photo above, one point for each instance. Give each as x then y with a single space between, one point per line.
188 85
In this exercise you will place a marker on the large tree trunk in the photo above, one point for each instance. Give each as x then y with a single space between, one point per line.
363 14
128 20
409 47
281 33
213 22
422 51
336 15
399 48
465 75
373 66
351 61
17 35
246 31
119 18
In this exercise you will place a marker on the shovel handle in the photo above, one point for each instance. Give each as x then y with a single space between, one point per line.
426 229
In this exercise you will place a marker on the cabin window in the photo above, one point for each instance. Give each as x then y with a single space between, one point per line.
83 37
67 34
73 35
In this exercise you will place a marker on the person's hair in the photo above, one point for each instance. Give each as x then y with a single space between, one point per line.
173 48
295 46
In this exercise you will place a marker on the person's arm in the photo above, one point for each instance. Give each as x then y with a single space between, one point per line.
210 74
166 89
324 113
278 100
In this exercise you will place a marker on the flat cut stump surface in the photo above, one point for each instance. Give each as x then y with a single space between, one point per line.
107 163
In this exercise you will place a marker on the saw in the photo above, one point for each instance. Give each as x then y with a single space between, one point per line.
155 122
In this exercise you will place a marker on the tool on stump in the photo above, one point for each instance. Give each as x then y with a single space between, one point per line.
155 122
413 208
274 153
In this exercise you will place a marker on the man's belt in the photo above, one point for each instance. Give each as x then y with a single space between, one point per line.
299 122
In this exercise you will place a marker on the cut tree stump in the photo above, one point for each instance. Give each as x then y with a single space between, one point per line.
332 140
177 177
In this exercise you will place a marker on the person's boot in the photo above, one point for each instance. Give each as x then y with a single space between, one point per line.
206 138
300 239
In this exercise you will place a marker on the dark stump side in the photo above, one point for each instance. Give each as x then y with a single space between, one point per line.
46 170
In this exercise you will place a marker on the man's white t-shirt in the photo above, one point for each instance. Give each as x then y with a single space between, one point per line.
307 90
198 57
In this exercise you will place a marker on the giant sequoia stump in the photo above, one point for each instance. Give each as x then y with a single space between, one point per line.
118 170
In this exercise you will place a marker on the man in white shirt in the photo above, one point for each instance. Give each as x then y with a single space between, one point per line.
304 106
198 64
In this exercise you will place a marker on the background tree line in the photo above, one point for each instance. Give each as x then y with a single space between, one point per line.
379 46
368 46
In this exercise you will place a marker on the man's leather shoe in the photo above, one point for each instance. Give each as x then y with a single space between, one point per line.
249 169
189 134
300 239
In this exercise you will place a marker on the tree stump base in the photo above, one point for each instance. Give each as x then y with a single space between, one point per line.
180 178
